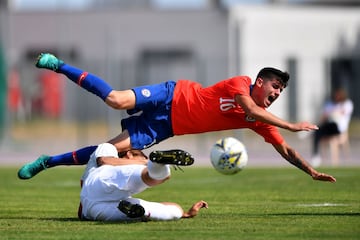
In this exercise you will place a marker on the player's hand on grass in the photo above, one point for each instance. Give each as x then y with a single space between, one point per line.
323 177
193 211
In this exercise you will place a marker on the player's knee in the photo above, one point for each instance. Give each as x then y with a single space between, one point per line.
120 99
114 100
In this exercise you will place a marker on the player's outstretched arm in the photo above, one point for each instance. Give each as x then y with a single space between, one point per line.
260 114
323 177
302 126
114 161
194 210
294 158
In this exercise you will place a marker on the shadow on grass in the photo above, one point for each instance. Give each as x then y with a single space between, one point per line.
68 219
61 219
74 219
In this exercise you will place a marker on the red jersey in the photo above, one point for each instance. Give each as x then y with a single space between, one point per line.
196 109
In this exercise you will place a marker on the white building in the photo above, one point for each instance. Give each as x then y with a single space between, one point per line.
313 43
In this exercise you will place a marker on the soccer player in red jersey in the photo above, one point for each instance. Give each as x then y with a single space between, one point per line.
185 107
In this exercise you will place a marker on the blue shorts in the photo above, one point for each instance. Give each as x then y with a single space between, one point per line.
153 124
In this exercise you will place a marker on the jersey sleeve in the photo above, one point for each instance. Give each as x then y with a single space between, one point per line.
105 150
270 133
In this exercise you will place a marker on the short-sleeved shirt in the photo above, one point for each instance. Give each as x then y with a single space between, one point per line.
186 107
106 185
196 109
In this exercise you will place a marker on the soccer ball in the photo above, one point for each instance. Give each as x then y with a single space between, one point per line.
228 156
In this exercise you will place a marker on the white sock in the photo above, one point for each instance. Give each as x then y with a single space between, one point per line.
159 211
158 171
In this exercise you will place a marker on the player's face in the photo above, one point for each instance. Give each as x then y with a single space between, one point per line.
137 154
270 91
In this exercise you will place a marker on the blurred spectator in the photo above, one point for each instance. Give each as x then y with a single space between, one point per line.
51 95
14 96
334 120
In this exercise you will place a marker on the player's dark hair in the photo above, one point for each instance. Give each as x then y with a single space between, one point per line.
270 73
134 153
122 154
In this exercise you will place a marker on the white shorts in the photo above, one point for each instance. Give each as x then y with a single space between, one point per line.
104 187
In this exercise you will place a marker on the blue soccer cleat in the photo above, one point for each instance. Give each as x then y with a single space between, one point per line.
31 169
48 61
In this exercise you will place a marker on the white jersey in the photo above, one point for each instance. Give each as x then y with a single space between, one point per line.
108 183
104 187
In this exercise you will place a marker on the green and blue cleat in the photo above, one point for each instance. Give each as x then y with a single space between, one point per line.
175 157
31 169
48 61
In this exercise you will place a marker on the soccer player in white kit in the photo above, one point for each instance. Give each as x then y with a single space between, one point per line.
107 190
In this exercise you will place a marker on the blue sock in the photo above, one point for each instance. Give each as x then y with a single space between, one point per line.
78 157
86 80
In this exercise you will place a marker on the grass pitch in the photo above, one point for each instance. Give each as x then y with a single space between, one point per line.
257 203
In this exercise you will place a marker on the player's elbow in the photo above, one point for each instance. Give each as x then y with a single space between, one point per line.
115 101
253 113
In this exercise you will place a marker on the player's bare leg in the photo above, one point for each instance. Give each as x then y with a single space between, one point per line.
124 99
121 141
94 84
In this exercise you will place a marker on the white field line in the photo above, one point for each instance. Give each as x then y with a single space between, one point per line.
321 205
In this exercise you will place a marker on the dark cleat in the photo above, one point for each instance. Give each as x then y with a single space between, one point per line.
131 210
176 157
